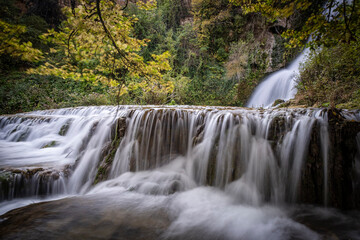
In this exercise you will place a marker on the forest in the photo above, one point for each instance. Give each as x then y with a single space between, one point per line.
56 54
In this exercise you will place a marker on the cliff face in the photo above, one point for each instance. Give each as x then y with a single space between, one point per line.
342 182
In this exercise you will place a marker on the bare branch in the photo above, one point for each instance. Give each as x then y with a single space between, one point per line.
73 5
347 23
126 4
121 53
73 32
330 8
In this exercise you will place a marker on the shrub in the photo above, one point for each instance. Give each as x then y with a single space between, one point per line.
331 76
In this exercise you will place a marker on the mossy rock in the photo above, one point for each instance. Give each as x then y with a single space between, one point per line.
5 177
277 102
109 151
50 144
64 129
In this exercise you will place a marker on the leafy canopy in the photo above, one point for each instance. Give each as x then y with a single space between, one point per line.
11 44
96 44
336 21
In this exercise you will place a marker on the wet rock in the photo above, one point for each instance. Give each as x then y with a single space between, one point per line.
84 218
109 150
277 128
312 181
341 164
50 144
65 128
15 183
118 128
199 134
343 149
277 102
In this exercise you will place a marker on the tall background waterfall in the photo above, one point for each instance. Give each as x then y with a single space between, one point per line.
246 162
282 83
278 85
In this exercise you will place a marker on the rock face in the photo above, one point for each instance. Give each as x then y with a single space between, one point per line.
109 150
17 183
338 186
342 193
342 176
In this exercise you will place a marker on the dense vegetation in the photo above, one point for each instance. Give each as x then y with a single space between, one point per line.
331 75
200 52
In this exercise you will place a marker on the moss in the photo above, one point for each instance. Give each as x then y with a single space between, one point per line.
64 129
277 102
110 151
285 104
104 167
5 177
100 173
50 144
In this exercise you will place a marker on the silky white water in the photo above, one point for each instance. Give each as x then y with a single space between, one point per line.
218 173
278 85
282 83
207 145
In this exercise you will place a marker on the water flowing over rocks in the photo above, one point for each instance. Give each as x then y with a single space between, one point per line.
280 85
277 156
203 172
339 188
17 183
109 149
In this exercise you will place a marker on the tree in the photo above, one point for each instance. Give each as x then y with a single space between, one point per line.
12 46
95 44
336 21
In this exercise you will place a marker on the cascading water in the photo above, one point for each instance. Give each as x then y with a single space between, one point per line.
255 161
282 83
229 139
278 85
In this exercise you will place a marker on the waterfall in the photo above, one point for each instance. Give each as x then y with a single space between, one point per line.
278 85
203 172
282 83
257 156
